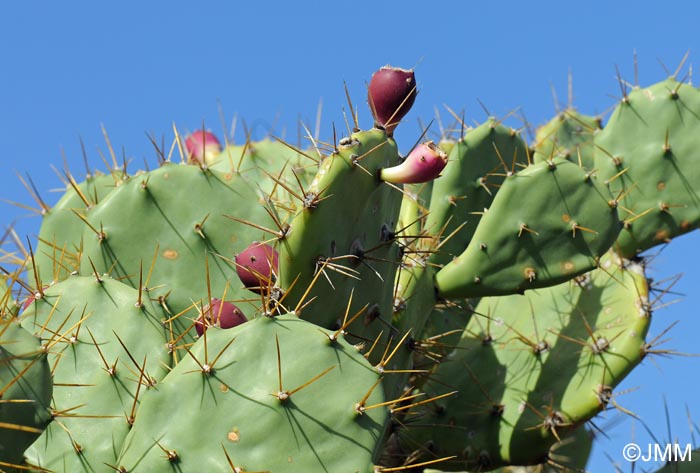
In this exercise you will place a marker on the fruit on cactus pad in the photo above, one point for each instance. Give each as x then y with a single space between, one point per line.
391 94
203 146
222 314
257 266
424 163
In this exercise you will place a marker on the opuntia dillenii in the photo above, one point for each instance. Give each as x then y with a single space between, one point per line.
222 314
203 146
257 266
391 94
424 163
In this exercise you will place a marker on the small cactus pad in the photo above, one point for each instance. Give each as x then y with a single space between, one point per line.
245 398
648 152
106 346
529 369
548 223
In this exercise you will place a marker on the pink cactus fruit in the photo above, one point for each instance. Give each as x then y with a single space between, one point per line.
257 266
391 94
218 313
424 163
203 147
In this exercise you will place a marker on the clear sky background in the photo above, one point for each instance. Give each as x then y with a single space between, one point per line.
138 67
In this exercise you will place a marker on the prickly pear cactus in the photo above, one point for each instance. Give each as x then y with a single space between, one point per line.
346 308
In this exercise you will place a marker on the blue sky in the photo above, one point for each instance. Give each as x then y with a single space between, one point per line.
139 67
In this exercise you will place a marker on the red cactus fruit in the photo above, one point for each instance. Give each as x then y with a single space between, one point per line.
257 266
203 146
222 314
424 163
391 94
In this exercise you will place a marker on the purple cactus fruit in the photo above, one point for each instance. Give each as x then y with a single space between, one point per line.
222 314
257 266
391 94
424 163
203 146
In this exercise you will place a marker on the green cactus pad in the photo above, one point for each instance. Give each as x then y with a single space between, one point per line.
648 153
570 455
547 224
477 166
58 251
194 419
176 215
25 392
570 135
346 228
94 390
531 368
